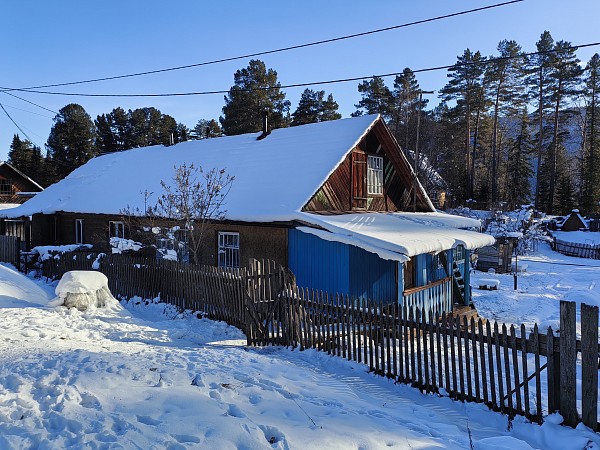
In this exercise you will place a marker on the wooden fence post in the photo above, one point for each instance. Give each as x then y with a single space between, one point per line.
589 366
553 369
568 362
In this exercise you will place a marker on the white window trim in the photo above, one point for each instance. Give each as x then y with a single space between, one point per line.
79 231
374 175
116 228
228 249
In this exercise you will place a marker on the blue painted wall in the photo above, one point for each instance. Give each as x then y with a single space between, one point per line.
319 264
340 268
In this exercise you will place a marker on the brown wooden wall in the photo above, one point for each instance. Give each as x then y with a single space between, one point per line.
19 184
256 241
343 192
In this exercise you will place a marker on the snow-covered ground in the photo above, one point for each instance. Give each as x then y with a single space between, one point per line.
548 278
146 377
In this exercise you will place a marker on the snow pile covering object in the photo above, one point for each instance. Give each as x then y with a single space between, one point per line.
84 290
119 245
54 251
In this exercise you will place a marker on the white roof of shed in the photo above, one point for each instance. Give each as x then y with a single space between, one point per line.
397 236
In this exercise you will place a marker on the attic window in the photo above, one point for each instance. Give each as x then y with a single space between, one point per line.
375 175
5 187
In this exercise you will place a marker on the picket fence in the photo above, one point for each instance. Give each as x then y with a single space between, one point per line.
510 369
581 250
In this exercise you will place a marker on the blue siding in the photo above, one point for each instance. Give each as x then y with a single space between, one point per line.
340 268
317 263
372 277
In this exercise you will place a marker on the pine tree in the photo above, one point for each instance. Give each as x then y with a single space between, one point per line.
27 157
312 108
539 67
112 129
502 77
465 87
72 140
519 167
256 90
591 175
376 99
565 74
205 129
405 108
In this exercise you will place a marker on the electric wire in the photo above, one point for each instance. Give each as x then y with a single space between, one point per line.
15 123
296 85
30 102
269 52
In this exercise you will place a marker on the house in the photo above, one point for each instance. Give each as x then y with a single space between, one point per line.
15 189
336 201
573 222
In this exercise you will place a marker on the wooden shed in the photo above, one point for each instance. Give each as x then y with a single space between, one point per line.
497 256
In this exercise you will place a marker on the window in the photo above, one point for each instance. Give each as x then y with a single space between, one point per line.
375 175
5 187
229 249
79 231
116 229
460 254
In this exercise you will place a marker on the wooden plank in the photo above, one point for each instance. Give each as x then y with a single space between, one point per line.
451 332
568 363
553 379
371 332
499 367
446 360
505 345
431 333
388 339
412 331
515 362
465 334
475 360
395 347
589 366
406 333
418 333
438 333
527 409
484 372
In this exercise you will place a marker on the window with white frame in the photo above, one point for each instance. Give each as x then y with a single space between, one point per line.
79 231
229 249
375 175
116 229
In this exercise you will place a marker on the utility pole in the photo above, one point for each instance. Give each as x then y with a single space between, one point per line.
416 155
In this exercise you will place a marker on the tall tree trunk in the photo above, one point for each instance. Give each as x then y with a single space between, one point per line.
469 190
494 182
554 154
475 137
540 141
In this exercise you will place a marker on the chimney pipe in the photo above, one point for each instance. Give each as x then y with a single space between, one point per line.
265 126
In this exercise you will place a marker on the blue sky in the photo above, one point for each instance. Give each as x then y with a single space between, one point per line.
62 41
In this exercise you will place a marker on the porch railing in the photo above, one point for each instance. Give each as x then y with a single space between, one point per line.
436 296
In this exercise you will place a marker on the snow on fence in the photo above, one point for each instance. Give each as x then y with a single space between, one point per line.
506 368
590 251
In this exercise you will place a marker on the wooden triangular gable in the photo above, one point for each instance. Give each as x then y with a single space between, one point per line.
345 189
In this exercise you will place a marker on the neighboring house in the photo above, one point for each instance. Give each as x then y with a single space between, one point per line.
15 189
573 222
333 201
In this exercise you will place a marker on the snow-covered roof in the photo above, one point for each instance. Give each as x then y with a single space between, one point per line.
274 177
397 236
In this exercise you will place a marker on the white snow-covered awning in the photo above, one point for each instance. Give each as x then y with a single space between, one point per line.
397 236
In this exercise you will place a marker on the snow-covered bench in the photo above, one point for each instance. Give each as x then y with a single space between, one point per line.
83 289
489 284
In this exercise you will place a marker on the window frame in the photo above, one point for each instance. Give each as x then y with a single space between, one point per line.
375 180
79 231
228 253
6 187
113 229
460 254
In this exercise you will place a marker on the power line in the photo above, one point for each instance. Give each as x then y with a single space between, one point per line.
296 85
16 124
27 111
31 103
268 52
